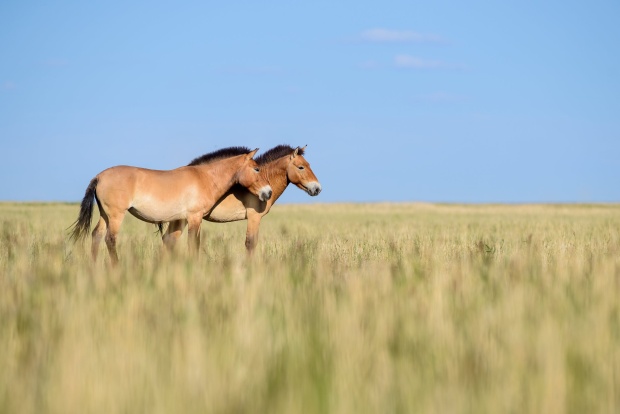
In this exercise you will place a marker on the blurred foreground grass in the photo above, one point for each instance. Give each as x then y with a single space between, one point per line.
344 308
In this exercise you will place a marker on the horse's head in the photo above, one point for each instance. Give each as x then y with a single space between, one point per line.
299 173
249 177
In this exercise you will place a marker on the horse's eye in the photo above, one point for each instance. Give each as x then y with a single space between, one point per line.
256 169
301 167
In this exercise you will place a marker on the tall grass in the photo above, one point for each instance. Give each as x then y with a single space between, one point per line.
343 309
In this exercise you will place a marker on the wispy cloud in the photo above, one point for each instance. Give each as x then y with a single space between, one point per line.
414 62
399 36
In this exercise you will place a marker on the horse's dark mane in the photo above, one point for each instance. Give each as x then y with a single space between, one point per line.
276 153
220 154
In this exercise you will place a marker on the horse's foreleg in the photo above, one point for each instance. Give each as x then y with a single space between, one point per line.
98 233
251 235
193 233
175 229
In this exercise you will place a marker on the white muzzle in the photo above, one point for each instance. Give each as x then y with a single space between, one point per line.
264 193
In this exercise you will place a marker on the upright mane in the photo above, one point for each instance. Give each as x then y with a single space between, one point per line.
220 154
276 153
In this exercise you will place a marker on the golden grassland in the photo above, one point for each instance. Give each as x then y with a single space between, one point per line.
350 308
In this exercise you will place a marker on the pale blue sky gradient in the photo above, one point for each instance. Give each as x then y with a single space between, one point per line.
442 101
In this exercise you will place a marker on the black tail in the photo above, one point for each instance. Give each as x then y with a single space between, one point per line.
160 229
81 227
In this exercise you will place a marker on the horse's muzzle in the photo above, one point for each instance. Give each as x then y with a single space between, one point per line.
264 193
313 189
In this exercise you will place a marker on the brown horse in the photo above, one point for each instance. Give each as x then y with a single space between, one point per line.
184 195
279 166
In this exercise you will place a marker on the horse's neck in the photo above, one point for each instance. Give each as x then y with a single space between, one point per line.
220 178
275 172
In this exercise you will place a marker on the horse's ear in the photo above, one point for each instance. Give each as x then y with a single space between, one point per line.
299 151
251 154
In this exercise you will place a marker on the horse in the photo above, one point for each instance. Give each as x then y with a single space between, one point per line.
183 195
279 166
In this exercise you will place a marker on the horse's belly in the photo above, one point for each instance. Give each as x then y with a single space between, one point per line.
154 216
224 215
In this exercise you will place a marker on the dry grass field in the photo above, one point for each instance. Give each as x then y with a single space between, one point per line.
356 308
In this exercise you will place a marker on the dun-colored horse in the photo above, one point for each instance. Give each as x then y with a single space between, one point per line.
184 195
279 166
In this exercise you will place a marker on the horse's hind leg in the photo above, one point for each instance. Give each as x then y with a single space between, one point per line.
98 233
114 225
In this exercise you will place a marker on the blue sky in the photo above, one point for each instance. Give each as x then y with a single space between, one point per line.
442 101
